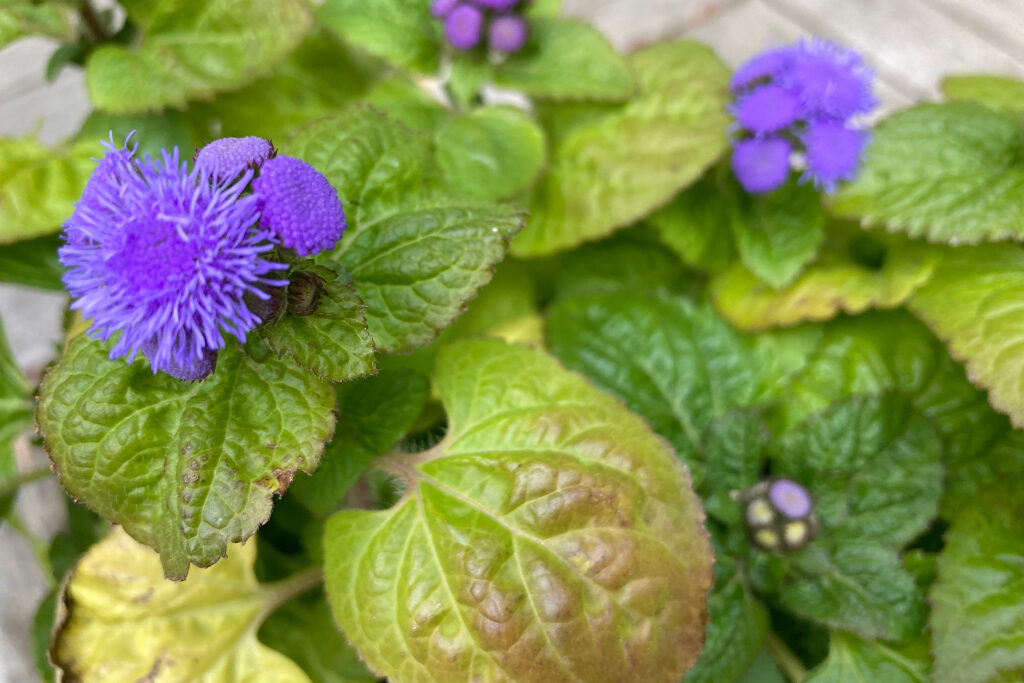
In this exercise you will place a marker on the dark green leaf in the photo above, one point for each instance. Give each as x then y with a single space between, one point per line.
734 449
33 263
851 658
42 630
735 635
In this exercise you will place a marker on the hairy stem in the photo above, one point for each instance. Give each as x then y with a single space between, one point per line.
282 591
784 657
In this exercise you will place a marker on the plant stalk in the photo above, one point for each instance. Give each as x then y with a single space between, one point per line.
784 657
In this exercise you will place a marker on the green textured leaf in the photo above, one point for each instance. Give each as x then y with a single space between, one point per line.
193 50
950 173
977 618
623 163
678 365
332 342
417 252
1001 93
15 417
855 271
28 18
401 32
851 658
696 225
549 535
304 631
735 634
734 449
566 59
186 468
491 153
123 622
38 186
778 233
763 670
373 414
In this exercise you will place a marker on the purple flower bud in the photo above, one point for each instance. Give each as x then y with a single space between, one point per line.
299 205
464 27
761 164
304 293
508 33
766 66
227 158
830 81
442 8
767 109
833 152
790 498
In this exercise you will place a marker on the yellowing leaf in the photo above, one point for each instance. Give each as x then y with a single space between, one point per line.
124 622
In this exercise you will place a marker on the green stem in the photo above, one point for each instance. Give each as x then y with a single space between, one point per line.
784 657
40 547
282 591
92 21
11 484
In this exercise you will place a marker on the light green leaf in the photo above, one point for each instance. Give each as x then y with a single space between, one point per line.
186 468
38 186
491 153
977 618
332 342
123 622
403 100
696 225
855 271
373 414
566 59
402 32
1001 93
851 658
15 417
623 164
549 535
973 303
778 233
949 173
192 51
736 630
30 18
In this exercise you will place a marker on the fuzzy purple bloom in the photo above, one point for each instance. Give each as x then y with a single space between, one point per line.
766 66
761 164
767 109
833 152
790 498
830 80
163 258
442 8
508 33
299 205
464 27
227 158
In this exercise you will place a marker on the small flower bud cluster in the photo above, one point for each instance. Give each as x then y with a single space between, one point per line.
802 103
168 259
467 22
779 515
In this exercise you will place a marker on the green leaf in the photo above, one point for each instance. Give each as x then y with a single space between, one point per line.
855 271
191 51
696 225
621 165
402 32
949 173
28 18
123 622
1001 93
973 303
566 59
404 101
491 153
977 618
153 132
373 414
38 186
304 631
550 534
417 252
778 233
736 630
186 468
763 670
332 342
42 632
678 365
851 658
734 449
15 417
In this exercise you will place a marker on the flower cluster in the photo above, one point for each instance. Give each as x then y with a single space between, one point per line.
466 22
170 258
802 103
779 515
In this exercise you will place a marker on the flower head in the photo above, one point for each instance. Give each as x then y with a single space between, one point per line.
163 257
779 514
464 27
833 152
766 66
767 109
226 158
789 498
508 33
830 81
761 164
298 205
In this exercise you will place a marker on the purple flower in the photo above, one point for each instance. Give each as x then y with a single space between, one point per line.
829 80
226 158
766 66
790 498
162 257
761 164
298 205
508 33
833 152
767 109
442 8
464 27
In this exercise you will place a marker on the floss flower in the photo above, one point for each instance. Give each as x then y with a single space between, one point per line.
227 158
812 96
467 22
779 514
163 257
